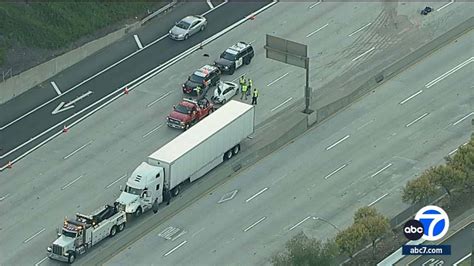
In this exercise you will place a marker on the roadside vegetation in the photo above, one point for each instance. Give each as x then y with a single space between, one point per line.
54 25
370 238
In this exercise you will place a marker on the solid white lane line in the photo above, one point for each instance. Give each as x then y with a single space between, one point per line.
216 7
449 72
175 248
153 130
337 142
462 259
127 57
377 200
368 24
452 1
371 49
455 150
381 170
254 224
77 150
33 236
55 87
199 231
258 193
72 182
416 120
137 40
41 261
411 97
159 99
300 222
113 183
4 197
312 33
315 4
281 104
273 82
335 171
462 119
364 125
211 6
118 93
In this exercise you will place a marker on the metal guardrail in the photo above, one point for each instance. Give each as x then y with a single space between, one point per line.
159 11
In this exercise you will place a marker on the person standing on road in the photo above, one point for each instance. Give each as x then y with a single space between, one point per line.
242 81
254 96
198 91
244 91
249 87
167 195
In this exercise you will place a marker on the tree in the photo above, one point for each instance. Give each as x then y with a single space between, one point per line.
419 190
351 239
375 223
303 251
463 160
448 177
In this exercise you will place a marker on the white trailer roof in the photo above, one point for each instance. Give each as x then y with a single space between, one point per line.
201 131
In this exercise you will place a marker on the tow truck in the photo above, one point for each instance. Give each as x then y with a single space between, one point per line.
188 112
85 231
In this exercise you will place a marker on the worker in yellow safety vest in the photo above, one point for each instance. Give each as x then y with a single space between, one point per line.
254 96
244 91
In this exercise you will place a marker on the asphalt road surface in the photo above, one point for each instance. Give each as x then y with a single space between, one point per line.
25 133
362 156
461 245
82 169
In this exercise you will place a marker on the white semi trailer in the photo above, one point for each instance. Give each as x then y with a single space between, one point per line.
188 157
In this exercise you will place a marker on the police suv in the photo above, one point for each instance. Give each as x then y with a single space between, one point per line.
234 57
205 77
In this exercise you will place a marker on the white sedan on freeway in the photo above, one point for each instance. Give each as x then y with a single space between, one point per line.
224 91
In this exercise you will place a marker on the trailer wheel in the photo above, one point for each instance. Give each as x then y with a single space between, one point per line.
228 155
175 191
236 149
113 231
71 258
121 227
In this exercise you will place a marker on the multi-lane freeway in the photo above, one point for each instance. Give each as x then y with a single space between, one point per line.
361 157
83 168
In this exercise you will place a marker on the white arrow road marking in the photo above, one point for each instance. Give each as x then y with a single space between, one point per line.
69 105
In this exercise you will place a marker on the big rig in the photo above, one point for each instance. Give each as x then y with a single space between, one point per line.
188 157
85 231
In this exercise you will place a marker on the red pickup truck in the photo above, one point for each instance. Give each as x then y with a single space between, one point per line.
188 112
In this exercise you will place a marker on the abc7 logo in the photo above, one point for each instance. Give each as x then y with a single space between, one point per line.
431 223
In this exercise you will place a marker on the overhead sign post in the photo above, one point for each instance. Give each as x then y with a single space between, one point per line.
291 53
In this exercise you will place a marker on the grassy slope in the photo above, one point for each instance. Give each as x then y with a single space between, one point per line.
55 25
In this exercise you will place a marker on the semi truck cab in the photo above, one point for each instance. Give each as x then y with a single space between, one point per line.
143 189
83 232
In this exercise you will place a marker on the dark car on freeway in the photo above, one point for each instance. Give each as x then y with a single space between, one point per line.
205 77
234 57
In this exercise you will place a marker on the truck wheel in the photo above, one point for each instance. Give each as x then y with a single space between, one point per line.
113 231
175 191
121 227
232 70
138 212
248 61
224 101
71 258
236 149
228 155
186 127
